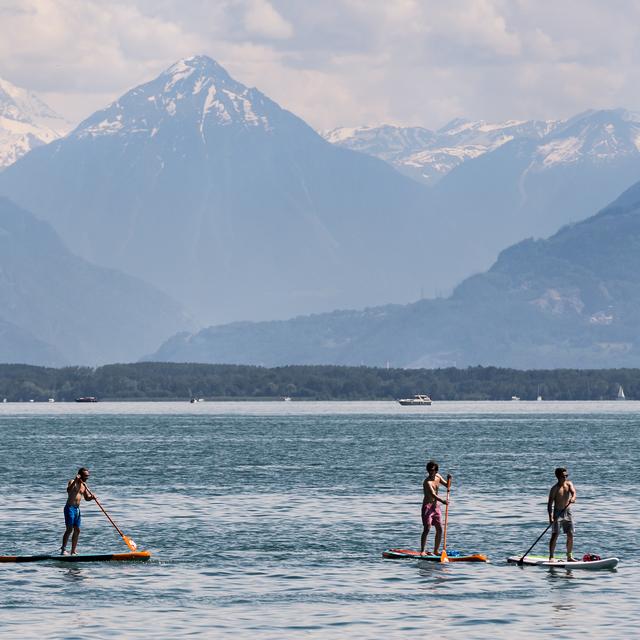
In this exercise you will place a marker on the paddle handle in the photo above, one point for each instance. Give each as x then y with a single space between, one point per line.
446 516
115 526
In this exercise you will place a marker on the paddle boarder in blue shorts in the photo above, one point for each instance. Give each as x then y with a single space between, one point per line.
561 497
430 511
76 491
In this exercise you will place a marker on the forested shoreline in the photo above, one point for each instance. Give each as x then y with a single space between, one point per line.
173 381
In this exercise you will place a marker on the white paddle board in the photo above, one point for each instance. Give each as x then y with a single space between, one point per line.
543 561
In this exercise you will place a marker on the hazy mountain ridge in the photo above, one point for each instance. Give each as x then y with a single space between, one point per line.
511 180
429 155
259 216
20 346
67 311
233 205
570 301
26 122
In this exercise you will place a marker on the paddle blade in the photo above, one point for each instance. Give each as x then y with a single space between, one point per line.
443 556
130 543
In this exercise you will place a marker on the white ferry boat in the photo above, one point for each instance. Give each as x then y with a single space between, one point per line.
417 400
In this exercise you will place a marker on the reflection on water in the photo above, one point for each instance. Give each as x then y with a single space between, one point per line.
268 519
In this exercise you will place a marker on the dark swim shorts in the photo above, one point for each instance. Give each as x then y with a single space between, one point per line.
72 516
564 522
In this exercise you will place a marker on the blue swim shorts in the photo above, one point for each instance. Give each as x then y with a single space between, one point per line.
72 516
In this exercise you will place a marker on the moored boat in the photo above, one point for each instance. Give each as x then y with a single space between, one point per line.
87 399
417 400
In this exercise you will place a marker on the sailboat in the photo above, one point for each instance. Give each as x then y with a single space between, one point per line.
620 395
539 398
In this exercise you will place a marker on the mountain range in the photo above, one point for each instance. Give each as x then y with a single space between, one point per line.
233 206
26 122
207 192
213 193
516 180
572 300
427 155
58 309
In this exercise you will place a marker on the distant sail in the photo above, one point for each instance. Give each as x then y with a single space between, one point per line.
621 395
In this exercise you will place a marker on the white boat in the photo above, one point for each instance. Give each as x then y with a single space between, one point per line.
620 395
417 400
286 398
515 398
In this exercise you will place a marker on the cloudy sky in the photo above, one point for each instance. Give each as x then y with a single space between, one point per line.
339 62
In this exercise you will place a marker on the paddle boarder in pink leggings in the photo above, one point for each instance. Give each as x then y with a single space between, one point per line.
430 512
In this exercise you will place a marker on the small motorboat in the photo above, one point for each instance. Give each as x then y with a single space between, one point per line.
417 401
87 399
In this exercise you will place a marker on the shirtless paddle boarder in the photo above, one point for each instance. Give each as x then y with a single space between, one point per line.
561 496
76 490
430 511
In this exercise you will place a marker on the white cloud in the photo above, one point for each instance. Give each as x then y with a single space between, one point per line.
263 20
344 62
88 48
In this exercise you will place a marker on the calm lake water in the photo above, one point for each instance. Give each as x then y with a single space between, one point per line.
267 520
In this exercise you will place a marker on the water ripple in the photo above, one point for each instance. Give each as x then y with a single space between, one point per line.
269 519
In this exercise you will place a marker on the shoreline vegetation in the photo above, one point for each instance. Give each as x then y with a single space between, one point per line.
162 381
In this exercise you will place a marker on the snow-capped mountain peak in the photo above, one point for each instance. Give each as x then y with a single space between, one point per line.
204 68
386 141
195 91
595 136
25 122
427 155
22 105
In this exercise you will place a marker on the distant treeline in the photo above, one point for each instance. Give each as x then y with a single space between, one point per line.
169 381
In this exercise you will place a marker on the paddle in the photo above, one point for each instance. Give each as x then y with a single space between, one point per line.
443 556
127 540
524 555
